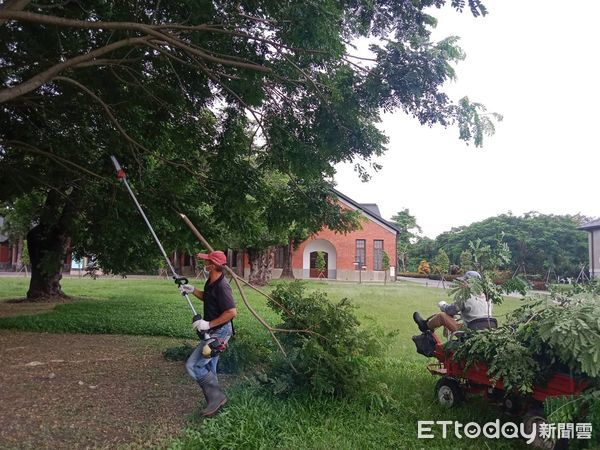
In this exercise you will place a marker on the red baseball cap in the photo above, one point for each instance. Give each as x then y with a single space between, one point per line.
217 257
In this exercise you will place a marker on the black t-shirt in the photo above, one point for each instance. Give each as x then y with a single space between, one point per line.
217 298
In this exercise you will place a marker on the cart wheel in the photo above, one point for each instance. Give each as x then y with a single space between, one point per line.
448 392
511 405
535 417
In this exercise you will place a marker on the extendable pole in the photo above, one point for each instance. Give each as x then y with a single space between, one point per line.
178 280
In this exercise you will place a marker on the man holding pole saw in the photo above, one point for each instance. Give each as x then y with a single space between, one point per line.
219 311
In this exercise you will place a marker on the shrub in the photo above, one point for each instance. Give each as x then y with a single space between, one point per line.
331 360
424 267
539 285
442 262
502 276
412 274
243 353
320 263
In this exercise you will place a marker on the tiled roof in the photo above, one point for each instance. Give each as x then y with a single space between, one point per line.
371 207
367 211
590 225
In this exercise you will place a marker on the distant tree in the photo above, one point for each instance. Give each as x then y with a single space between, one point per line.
407 224
385 261
320 264
466 261
442 262
424 267
537 241
424 248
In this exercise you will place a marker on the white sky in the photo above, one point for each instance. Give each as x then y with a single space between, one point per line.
535 62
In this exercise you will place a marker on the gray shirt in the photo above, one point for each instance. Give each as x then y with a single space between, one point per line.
476 307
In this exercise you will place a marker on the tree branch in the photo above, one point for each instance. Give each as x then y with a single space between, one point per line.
118 125
260 19
62 161
105 62
130 26
45 76
13 5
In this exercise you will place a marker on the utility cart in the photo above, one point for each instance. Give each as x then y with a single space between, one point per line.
456 380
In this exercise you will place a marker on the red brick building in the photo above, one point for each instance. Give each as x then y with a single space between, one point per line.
346 254
5 250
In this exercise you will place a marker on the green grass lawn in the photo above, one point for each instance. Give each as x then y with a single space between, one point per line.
255 418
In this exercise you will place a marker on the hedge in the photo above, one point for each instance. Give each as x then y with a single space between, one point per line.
431 276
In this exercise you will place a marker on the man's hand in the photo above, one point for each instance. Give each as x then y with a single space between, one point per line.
187 288
201 325
442 304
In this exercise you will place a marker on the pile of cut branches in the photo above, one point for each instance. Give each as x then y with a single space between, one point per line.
560 332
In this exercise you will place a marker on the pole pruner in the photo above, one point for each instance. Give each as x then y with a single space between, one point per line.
179 280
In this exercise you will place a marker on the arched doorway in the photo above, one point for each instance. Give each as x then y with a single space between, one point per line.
309 256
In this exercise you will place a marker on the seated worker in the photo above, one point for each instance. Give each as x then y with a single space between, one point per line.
476 313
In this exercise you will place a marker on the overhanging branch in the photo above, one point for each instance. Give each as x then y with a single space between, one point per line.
13 5
118 125
148 30
42 78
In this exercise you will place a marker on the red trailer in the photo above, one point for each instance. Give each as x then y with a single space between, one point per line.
455 381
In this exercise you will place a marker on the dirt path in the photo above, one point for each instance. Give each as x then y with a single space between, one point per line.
81 391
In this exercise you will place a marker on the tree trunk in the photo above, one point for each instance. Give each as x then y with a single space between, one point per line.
19 248
261 266
287 261
47 250
48 243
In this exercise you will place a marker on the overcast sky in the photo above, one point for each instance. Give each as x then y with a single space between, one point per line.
534 61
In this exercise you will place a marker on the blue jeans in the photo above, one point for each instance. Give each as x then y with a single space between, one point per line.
198 366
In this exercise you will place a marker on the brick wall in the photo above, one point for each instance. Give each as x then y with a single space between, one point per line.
345 252
345 245
5 256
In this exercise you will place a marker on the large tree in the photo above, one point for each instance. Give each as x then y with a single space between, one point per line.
407 236
539 243
201 99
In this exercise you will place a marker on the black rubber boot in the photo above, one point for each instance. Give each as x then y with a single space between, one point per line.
421 323
215 398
